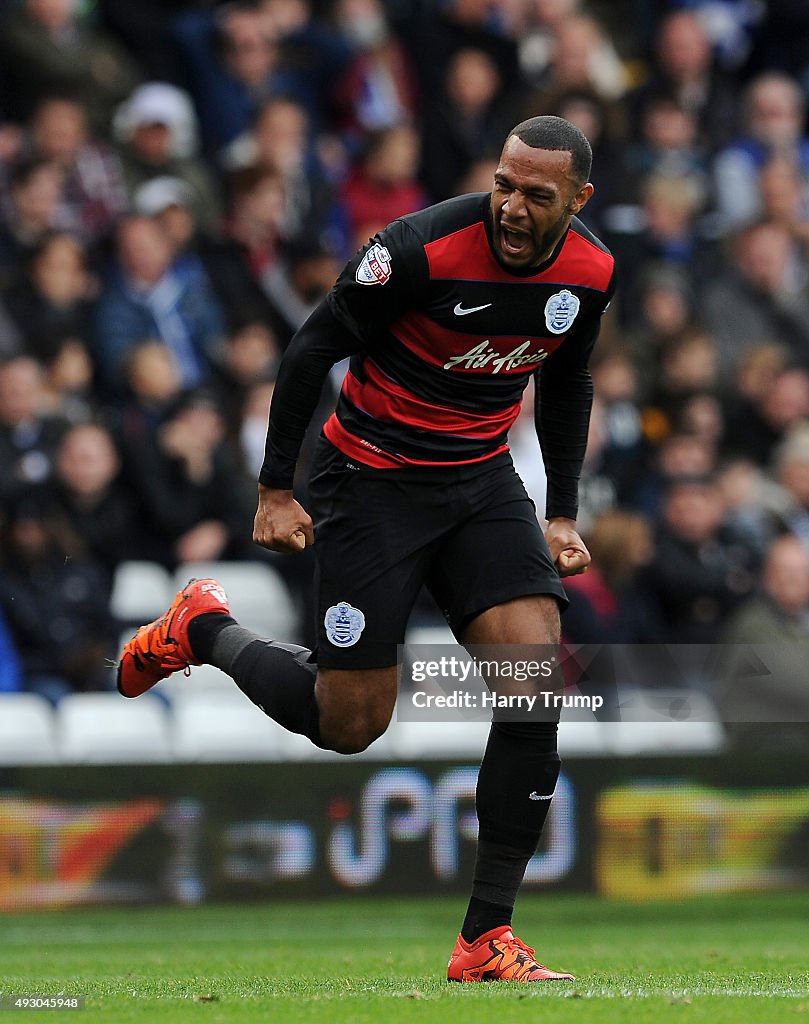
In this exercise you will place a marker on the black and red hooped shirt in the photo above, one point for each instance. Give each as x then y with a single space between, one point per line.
444 341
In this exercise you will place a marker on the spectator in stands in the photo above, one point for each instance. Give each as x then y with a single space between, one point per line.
668 233
196 504
378 88
756 373
28 438
89 501
153 386
170 201
241 55
93 193
699 577
612 602
536 35
48 50
624 450
771 709
35 192
434 36
253 426
157 131
685 69
463 122
383 186
314 53
785 198
149 294
204 253
56 604
773 126
256 223
662 314
701 415
281 140
297 282
582 57
759 368
54 300
779 611
250 358
597 489
688 368
755 505
678 456
478 177
69 380
759 296
730 26
668 145
791 466
758 427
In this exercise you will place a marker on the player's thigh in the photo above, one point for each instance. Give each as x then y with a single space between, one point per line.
497 558
356 703
525 620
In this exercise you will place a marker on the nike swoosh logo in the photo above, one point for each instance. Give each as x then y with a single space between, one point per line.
460 311
536 796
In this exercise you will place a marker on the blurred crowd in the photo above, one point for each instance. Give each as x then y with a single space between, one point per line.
181 182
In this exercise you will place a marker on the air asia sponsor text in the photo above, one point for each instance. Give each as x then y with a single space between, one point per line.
484 355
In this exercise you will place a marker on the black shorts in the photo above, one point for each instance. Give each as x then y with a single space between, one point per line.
469 533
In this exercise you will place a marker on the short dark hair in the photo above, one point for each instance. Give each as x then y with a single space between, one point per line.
555 133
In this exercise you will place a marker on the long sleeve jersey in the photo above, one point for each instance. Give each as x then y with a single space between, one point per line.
443 340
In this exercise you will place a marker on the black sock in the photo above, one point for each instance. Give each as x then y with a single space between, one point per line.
482 917
278 678
519 767
203 631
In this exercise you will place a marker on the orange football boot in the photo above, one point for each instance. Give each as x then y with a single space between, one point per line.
498 956
161 647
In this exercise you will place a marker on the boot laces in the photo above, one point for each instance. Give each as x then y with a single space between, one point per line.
527 949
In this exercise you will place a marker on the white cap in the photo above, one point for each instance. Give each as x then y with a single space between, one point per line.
159 103
157 194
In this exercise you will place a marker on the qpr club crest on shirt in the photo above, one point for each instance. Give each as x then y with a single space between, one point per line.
344 624
375 266
560 311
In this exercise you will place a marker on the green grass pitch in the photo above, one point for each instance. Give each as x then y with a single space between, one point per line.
359 960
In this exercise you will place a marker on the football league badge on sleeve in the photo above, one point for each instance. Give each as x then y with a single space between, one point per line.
344 624
560 311
374 267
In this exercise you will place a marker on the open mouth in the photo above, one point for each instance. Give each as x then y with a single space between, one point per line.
513 241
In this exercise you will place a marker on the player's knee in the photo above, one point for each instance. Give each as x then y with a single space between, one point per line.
353 733
355 709
353 737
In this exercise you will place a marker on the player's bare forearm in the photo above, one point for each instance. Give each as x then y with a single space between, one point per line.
568 550
281 523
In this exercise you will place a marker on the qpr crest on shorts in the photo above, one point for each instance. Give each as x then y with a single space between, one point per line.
560 311
374 267
344 624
